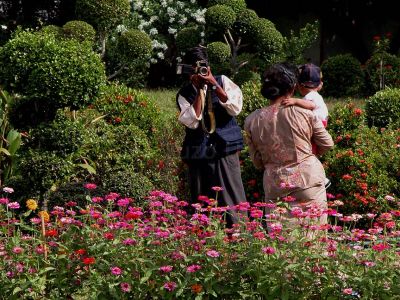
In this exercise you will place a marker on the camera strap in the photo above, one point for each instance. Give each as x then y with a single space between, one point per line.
210 112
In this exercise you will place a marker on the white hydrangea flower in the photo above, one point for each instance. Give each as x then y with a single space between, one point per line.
153 31
171 12
160 55
172 30
202 34
153 60
3 27
121 28
153 18
183 21
164 46
138 5
179 59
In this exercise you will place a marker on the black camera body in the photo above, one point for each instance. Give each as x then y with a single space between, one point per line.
200 68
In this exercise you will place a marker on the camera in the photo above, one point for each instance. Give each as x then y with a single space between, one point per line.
200 68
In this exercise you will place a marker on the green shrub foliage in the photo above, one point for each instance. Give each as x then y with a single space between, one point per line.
52 29
383 70
383 108
134 45
102 14
238 6
220 17
342 76
218 52
268 40
80 31
60 73
244 21
187 38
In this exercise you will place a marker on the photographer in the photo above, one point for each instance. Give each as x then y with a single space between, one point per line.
208 105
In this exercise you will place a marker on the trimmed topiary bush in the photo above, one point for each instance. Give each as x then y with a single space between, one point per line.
187 38
80 31
218 52
103 14
237 5
244 21
342 76
61 73
383 108
267 39
220 17
252 100
134 44
52 29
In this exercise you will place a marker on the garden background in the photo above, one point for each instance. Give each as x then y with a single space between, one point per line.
94 188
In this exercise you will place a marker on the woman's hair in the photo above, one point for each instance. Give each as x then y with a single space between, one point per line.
279 80
195 54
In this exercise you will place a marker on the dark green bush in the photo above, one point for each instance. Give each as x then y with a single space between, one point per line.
244 21
342 76
220 17
57 31
385 75
252 100
187 38
60 73
134 45
80 31
218 52
237 5
245 75
267 39
383 108
103 14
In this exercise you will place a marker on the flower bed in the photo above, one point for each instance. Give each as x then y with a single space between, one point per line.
112 249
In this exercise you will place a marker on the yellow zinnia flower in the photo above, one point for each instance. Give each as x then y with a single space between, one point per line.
31 204
45 214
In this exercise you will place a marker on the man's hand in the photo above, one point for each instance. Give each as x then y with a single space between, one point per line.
197 81
209 78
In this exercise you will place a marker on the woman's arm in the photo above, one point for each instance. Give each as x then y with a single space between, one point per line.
255 155
320 136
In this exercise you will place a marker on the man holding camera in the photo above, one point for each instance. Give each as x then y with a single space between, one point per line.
208 106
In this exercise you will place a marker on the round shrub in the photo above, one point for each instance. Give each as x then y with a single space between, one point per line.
52 29
187 38
134 45
61 73
267 39
245 75
127 183
218 52
220 17
80 31
244 20
103 14
389 71
252 100
342 76
237 5
383 108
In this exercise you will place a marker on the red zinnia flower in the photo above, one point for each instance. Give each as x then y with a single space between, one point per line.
51 232
89 260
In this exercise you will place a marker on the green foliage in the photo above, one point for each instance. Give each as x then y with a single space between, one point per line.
57 31
245 75
383 108
382 70
268 40
60 73
218 52
187 38
244 21
102 14
295 46
220 17
252 100
342 76
80 31
238 6
134 45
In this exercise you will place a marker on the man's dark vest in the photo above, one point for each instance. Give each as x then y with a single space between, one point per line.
226 139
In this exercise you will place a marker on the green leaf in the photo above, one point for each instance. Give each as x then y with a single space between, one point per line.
88 167
5 151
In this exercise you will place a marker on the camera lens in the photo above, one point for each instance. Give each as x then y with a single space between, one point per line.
203 71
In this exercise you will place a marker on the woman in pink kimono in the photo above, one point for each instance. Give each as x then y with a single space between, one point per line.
279 139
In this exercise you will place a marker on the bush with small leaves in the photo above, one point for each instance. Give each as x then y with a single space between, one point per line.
342 76
220 17
383 108
61 73
187 38
134 44
218 52
244 21
268 40
52 29
237 5
103 14
80 31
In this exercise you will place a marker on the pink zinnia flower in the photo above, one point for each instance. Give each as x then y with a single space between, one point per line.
4 200
348 291
170 286
123 202
97 199
90 186
13 205
380 247
116 271
217 188
8 190
268 250
212 253
193 268
125 287
17 250
129 242
166 269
